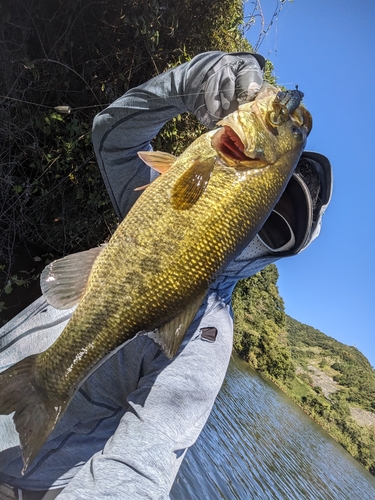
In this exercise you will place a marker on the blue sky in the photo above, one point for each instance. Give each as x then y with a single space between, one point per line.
327 47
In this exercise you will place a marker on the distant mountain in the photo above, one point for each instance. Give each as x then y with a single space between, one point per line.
302 336
345 364
334 383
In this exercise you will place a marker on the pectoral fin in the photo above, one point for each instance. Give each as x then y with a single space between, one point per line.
192 184
63 282
170 335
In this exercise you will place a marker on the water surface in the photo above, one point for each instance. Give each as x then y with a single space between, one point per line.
258 444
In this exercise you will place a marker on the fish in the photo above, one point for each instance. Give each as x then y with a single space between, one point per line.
153 274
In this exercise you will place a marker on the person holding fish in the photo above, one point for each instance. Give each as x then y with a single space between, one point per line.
109 394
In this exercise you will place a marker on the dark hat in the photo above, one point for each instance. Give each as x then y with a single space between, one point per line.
296 218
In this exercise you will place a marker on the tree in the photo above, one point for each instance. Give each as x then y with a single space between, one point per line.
260 334
60 64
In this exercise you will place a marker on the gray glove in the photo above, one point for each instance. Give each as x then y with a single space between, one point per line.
233 80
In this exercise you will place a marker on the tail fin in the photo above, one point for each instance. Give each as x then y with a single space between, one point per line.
35 414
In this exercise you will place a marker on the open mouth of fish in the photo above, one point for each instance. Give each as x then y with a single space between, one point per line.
228 143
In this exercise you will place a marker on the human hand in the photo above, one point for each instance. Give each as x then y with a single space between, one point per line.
233 80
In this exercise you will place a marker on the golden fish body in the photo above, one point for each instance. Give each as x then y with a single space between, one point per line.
159 264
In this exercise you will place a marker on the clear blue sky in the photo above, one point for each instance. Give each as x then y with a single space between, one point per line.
327 47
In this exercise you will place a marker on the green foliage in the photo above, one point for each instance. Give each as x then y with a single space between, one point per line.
269 75
305 377
298 386
260 324
334 416
361 382
307 336
318 406
354 370
60 64
323 363
270 340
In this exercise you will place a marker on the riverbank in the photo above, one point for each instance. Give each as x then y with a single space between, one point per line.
356 438
258 444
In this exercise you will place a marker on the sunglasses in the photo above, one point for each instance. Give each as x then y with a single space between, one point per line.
276 233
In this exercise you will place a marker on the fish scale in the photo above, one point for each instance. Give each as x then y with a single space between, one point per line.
155 292
156 269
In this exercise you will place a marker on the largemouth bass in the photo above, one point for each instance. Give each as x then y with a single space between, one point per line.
153 274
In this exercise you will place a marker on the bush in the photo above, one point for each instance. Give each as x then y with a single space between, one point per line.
73 56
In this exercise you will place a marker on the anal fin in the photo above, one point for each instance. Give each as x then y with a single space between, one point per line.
170 335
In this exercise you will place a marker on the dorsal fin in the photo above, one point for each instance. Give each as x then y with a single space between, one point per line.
63 281
158 160
192 184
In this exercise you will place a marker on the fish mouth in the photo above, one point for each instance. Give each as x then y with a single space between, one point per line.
227 143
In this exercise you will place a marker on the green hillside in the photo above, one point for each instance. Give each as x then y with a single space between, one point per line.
345 364
334 383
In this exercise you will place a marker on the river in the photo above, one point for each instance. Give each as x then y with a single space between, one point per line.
258 444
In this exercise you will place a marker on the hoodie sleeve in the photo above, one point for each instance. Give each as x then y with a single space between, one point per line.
165 415
209 86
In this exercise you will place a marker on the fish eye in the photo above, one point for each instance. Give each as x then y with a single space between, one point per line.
297 134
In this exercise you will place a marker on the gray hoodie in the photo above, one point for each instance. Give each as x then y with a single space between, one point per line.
129 425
